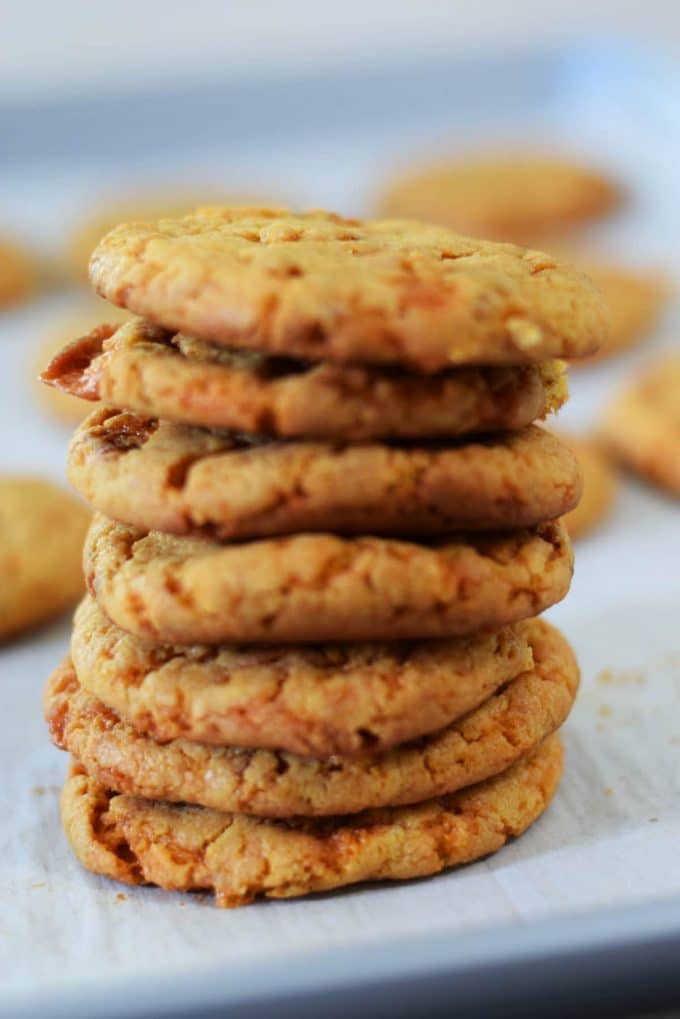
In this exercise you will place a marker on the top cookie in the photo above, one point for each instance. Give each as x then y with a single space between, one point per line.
509 198
318 286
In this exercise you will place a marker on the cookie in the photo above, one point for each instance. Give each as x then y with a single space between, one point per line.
90 228
322 287
18 274
506 197
155 373
506 727
184 848
310 699
161 476
641 427
635 299
318 587
599 486
57 401
42 529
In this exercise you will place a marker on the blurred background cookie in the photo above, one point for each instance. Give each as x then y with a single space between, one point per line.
600 485
18 273
503 197
641 426
42 528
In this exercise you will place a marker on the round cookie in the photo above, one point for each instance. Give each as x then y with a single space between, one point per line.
634 300
18 274
156 475
599 486
90 229
57 401
185 848
508 726
318 587
506 197
153 372
318 286
42 529
641 427
312 700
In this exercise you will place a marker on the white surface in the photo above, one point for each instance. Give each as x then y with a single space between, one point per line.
611 837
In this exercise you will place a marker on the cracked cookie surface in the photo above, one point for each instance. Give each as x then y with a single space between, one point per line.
143 368
185 848
310 699
318 587
506 727
167 477
318 286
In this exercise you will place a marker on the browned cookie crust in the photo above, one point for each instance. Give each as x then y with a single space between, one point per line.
317 587
185 848
161 476
509 725
312 700
322 287
155 373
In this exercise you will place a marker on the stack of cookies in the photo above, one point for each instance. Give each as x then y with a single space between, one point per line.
325 524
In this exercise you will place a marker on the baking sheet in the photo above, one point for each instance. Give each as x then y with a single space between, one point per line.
73 944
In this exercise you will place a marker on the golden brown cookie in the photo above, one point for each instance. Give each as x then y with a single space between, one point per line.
318 587
322 287
506 197
641 427
310 699
634 299
155 373
160 476
506 727
599 486
90 228
42 529
18 274
185 848
57 401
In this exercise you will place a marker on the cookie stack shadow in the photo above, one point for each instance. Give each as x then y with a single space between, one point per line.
310 652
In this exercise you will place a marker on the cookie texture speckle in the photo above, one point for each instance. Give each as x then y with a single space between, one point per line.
162 476
507 197
316 587
315 285
641 426
185 848
506 727
42 529
310 699
156 373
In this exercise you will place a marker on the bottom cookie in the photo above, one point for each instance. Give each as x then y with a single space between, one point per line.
183 848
